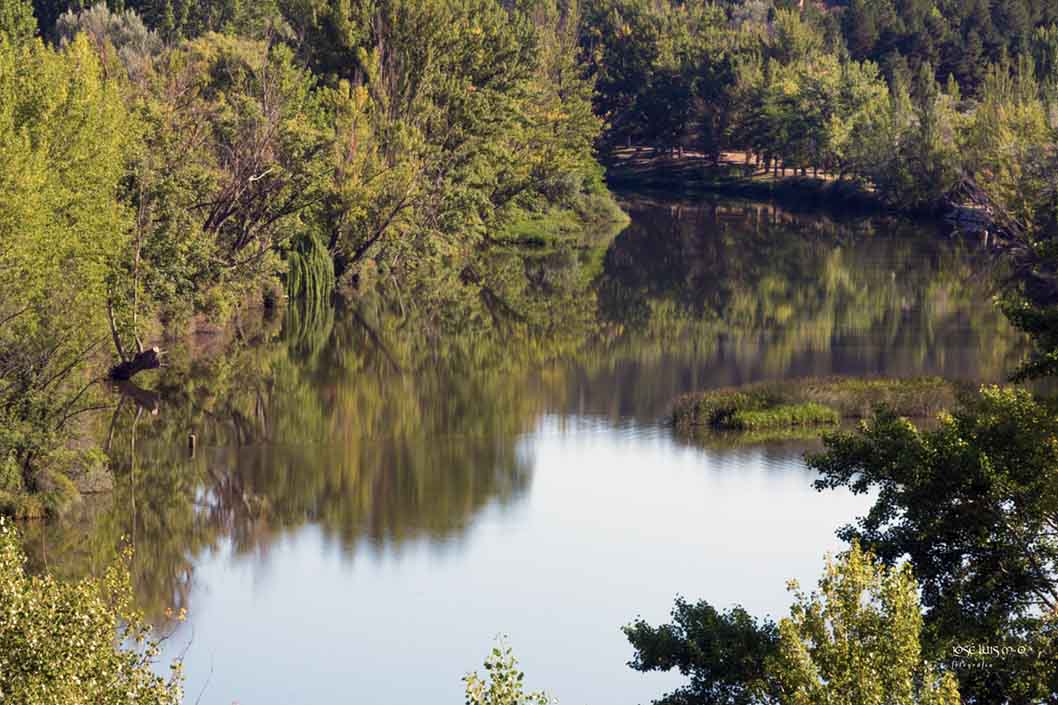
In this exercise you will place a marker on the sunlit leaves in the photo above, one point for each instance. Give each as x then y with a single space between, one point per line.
857 640
973 504
64 140
502 684
78 642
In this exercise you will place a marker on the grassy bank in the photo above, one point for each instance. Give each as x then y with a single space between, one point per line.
811 402
592 217
640 169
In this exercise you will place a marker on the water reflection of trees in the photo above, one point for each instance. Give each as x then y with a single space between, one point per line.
719 294
378 429
386 422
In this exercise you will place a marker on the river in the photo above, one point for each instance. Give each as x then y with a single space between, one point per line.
355 527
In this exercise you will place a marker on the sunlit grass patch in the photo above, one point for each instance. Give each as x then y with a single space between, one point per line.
782 416
812 401
592 219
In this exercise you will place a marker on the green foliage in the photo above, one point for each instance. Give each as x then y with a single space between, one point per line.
913 158
310 273
662 71
234 159
1011 146
17 24
792 39
856 640
64 139
958 38
120 32
782 91
1009 128
1041 323
782 416
473 117
57 639
502 684
725 654
982 484
785 90
804 401
1044 50
222 163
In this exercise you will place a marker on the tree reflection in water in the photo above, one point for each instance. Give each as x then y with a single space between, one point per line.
383 423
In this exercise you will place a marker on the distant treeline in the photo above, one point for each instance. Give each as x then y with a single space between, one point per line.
907 99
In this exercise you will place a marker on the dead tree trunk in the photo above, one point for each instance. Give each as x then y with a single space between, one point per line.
149 359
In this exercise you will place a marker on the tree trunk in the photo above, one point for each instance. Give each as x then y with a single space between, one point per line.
150 359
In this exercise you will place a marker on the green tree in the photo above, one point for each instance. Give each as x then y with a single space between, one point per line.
912 153
1008 133
857 640
792 38
620 39
1011 162
862 101
1023 306
725 654
980 485
233 169
110 32
1044 48
65 139
57 639
17 24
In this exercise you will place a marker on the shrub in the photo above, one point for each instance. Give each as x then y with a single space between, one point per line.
71 643
503 683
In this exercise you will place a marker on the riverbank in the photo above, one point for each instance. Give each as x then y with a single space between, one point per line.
642 168
592 219
811 402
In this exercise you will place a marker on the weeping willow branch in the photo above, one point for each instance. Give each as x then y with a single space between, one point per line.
310 273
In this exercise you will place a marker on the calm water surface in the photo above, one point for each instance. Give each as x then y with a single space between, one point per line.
612 522
356 528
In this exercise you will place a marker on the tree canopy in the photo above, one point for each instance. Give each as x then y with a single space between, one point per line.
856 640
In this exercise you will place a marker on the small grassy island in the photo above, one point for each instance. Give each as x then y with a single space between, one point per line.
811 402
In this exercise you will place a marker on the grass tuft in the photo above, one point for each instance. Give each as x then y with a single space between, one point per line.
783 416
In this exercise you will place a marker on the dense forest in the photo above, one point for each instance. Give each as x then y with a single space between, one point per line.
170 161
167 165
156 175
